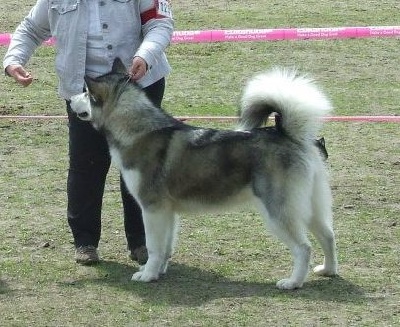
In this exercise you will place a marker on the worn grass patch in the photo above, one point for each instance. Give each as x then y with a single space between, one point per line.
225 267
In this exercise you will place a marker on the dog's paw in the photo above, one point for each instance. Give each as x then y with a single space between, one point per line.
288 284
143 276
322 270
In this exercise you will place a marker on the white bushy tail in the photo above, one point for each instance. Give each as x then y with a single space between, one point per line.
297 100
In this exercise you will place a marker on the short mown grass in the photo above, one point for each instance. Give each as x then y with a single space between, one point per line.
226 265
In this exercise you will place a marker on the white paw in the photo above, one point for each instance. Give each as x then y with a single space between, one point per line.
324 271
288 284
143 276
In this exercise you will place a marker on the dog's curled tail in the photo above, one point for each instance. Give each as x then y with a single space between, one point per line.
299 104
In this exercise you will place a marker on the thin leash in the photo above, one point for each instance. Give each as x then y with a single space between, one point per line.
127 78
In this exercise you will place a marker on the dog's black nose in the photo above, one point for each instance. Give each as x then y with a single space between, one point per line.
83 114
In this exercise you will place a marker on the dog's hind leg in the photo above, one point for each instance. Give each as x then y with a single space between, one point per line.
322 228
290 229
159 226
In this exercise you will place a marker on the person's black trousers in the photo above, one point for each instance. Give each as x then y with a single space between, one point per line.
89 163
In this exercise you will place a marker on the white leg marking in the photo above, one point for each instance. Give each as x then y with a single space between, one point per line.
159 226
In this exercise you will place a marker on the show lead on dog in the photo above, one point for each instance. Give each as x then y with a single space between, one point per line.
89 35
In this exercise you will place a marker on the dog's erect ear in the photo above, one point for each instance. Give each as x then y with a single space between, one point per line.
95 89
118 67
89 83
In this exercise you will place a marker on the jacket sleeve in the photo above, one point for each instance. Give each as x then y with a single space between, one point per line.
157 28
30 34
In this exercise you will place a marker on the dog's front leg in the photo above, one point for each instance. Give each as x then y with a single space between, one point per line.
158 226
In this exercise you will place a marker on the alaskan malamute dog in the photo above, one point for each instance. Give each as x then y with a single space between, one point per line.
171 167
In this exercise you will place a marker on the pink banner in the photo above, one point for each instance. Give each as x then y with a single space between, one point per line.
256 35
5 39
284 34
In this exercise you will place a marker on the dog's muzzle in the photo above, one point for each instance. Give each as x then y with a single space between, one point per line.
80 104
83 115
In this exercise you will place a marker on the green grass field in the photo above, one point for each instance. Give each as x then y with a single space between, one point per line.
226 266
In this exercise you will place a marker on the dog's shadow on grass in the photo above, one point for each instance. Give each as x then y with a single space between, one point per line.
3 287
191 286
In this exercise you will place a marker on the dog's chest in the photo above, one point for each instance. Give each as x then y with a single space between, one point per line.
130 176
116 158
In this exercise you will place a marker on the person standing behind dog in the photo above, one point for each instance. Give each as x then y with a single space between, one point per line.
89 34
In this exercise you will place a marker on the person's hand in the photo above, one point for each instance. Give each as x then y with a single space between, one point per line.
19 74
138 68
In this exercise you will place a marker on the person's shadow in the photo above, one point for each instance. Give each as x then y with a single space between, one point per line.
190 286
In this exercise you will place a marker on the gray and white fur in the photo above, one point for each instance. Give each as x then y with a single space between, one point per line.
171 167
